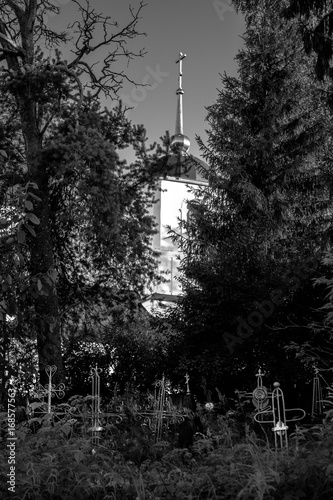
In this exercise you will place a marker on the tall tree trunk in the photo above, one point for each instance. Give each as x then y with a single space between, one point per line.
41 248
46 306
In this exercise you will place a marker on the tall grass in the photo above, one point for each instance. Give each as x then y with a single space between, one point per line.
61 463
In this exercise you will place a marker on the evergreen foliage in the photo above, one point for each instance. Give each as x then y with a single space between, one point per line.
257 234
74 217
315 21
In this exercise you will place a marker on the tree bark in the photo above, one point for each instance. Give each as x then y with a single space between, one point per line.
41 248
47 326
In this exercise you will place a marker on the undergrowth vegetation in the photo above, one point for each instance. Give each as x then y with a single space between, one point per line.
61 462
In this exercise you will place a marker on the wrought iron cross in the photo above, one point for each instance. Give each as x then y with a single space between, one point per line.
260 395
187 379
49 389
317 395
278 416
96 403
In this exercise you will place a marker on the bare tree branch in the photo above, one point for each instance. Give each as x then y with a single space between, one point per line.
110 80
6 48
15 7
93 32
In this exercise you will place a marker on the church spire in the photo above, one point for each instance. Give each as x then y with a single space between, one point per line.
180 143
180 93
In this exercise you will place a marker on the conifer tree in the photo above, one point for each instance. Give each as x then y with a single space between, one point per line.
266 210
315 24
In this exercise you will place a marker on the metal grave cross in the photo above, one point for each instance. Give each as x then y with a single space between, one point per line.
260 395
317 395
95 403
49 389
278 417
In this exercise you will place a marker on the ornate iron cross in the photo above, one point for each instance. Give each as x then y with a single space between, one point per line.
95 403
278 417
49 389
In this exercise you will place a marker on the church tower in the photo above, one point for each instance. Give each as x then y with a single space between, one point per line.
182 172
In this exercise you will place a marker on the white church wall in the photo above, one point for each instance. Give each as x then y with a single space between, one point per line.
170 208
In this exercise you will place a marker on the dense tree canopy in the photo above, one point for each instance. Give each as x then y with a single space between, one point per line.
258 232
315 22
76 228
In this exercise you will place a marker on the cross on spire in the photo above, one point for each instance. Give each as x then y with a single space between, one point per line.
180 143
179 60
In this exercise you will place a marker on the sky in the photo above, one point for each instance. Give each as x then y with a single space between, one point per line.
207 31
